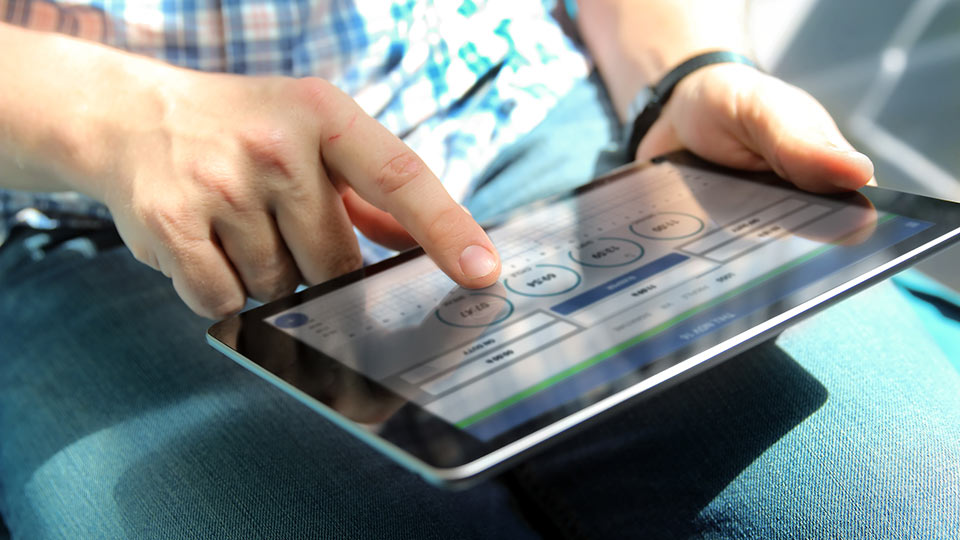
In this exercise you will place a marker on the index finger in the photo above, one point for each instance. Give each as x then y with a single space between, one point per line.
388 174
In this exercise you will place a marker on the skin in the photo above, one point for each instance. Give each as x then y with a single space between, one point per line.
239 186
231 186
731 114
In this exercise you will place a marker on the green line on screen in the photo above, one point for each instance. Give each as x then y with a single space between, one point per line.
572 370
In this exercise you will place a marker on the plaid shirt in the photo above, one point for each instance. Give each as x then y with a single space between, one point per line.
458 80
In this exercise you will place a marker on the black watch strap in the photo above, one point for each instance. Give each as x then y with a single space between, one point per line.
659 93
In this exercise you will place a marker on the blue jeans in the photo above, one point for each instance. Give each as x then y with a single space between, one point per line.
117 421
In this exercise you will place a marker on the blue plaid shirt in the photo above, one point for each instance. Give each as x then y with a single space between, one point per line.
458 79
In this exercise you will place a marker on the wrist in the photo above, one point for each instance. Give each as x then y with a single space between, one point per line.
123 101
68 109
649 104
636 42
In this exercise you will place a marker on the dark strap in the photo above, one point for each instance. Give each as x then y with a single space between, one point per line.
660 93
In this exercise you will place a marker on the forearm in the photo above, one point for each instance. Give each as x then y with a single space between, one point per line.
635 42
59 99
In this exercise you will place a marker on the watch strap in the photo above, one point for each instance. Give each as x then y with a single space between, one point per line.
655 97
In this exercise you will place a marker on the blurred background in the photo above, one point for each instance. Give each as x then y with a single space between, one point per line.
889 72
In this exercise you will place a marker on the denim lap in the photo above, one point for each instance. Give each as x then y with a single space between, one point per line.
846 426
118 421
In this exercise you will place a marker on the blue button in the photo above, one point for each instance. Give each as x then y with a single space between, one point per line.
617 284
291 320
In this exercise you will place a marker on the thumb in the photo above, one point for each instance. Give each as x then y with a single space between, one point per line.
798 138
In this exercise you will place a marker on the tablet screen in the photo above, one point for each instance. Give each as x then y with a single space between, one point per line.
594 287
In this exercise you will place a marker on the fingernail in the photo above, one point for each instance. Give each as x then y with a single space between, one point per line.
477 262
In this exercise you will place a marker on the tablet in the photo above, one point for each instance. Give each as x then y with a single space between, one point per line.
630 283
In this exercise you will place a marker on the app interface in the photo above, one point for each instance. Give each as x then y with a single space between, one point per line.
592 288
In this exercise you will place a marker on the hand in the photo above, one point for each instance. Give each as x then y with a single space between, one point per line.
736 116
235 186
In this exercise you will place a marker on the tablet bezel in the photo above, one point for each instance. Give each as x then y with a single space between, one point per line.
451 456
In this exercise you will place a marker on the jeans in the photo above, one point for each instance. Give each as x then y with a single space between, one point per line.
118 421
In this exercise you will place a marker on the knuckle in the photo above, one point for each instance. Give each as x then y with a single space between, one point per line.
269 148
177 242
168 223
221 183
317 94
399 172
